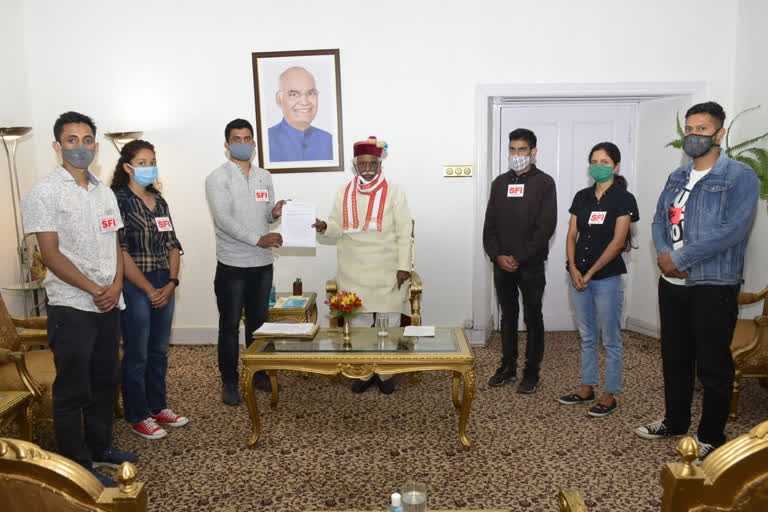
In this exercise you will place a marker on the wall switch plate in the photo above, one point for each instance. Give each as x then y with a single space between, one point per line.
457 171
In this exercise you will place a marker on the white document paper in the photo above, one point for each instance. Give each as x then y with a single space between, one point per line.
284 328
296 225
419 330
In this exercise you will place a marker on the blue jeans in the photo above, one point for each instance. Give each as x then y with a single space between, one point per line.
598 309
146 334
237 288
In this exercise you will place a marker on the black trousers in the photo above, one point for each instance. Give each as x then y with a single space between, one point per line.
237 288
85 352
697 324
530 282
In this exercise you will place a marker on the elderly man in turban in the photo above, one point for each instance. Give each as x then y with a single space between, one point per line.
371 221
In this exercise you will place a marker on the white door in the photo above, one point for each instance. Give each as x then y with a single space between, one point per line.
565 132
655 128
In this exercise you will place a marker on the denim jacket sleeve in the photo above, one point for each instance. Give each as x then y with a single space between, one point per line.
741 202
659 225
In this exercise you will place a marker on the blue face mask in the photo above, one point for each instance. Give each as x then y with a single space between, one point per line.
241 152
144 175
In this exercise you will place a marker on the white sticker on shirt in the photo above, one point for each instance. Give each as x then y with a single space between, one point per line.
262 195
515 190
597 217
163 224
108 224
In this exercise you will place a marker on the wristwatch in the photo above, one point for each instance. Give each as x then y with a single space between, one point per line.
174 281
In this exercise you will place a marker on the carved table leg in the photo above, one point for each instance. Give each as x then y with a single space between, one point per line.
25 423
466 402
455 391
250 400
275 388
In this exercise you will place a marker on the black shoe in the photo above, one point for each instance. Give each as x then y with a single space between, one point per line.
704 450
113 458
261 382
657 430
103 479
576 398
599 410
528 384
230 394
503 375
360 385
386 386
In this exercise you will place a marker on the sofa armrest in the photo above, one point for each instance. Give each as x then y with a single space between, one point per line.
32 322
26 378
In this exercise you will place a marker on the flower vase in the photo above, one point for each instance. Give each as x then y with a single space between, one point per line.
347 330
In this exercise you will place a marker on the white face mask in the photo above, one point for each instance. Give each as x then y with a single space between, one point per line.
519 162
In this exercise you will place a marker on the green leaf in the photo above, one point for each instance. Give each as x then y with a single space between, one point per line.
743 145
680 131
677 143
762 162
730 125
753 163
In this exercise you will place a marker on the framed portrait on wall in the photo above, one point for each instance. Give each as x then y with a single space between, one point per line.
298 110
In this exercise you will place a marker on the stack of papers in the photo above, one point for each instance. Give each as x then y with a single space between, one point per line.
419 330
284 328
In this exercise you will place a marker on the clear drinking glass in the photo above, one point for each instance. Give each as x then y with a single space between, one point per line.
414 497
382 324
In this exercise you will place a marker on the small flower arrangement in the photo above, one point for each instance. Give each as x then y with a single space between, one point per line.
344 304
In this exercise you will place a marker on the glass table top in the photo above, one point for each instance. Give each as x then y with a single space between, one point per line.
364 340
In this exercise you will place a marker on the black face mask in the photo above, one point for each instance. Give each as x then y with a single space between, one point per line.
697 145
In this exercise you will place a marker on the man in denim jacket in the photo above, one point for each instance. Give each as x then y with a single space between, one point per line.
700 232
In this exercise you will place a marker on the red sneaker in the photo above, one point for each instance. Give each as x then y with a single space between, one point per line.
148 429
169 418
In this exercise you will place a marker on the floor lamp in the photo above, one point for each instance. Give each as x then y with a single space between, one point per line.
13 134
122 138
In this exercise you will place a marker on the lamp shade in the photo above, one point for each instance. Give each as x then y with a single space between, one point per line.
123 137
14 132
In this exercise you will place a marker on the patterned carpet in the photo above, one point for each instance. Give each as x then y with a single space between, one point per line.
325 448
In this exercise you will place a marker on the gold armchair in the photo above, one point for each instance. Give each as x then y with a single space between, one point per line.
22 370
732 478
415 286
749 347
34 479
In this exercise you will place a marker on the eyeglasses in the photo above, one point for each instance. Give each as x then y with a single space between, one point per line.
367 165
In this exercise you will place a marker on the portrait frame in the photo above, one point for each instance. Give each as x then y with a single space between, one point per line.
284 142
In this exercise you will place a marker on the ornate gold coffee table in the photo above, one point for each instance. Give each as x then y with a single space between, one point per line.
15 408
366 354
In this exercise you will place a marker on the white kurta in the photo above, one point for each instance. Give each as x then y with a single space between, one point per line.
368 261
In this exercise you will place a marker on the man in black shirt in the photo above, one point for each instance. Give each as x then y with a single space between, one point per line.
519 221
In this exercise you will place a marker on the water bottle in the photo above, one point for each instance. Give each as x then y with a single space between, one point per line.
272 296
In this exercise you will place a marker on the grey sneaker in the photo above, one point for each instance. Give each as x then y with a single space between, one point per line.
704 450
528 385
657 430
